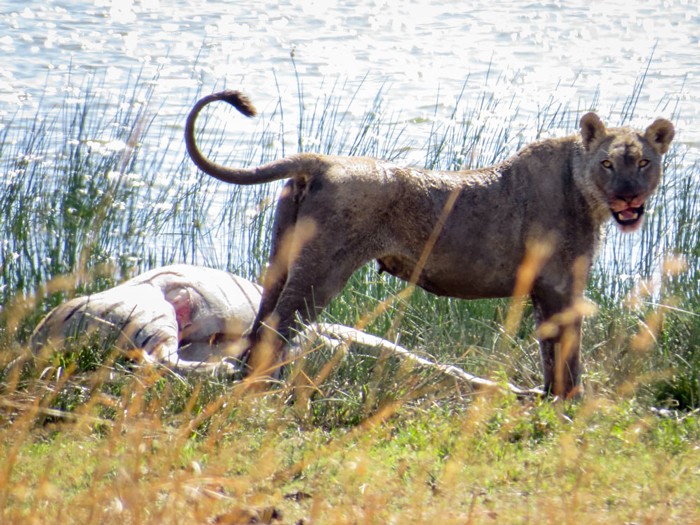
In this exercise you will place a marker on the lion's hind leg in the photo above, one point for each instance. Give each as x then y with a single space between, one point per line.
275 276
314 276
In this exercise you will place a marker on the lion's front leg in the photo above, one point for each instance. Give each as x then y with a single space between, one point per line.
559 333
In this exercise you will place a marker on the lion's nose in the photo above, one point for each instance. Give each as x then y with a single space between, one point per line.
627 190
632 199
627 197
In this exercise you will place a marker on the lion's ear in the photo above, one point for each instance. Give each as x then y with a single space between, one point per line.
592 129
660 134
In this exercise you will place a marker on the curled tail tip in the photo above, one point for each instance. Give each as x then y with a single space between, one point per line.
239 101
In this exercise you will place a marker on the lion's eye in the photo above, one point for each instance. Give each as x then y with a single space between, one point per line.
607 164
642 163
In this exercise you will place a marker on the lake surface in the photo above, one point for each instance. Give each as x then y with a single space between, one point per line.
579 53
422 54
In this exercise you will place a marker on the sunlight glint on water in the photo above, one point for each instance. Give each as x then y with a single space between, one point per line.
419 48
532 58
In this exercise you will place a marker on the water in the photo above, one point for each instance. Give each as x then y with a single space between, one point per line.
576 54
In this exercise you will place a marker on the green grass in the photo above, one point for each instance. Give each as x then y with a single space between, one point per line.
89 437
492 459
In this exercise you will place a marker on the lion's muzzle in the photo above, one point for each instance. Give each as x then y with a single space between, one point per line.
628 212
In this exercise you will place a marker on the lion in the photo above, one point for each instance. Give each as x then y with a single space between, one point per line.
461 234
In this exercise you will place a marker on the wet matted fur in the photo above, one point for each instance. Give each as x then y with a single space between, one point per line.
462 234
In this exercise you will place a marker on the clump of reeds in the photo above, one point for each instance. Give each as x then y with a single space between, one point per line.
88 193
88 196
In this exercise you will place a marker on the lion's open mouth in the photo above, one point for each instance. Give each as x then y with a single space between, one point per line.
629 218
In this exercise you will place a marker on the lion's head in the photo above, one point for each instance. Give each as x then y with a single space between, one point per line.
624 165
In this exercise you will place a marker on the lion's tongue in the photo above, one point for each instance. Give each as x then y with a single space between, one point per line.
629 214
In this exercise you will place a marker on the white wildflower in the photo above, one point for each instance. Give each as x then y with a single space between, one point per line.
116 506
115 146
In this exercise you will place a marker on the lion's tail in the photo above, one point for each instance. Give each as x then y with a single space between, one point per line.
277 170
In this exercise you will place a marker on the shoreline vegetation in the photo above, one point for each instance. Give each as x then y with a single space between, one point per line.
87 201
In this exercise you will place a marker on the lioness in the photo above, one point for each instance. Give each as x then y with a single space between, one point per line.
460 234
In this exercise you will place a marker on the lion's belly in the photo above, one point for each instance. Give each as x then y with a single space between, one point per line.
464 278
469 281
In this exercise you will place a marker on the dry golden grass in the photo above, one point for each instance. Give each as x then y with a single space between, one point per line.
94 439
145 447
91 439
